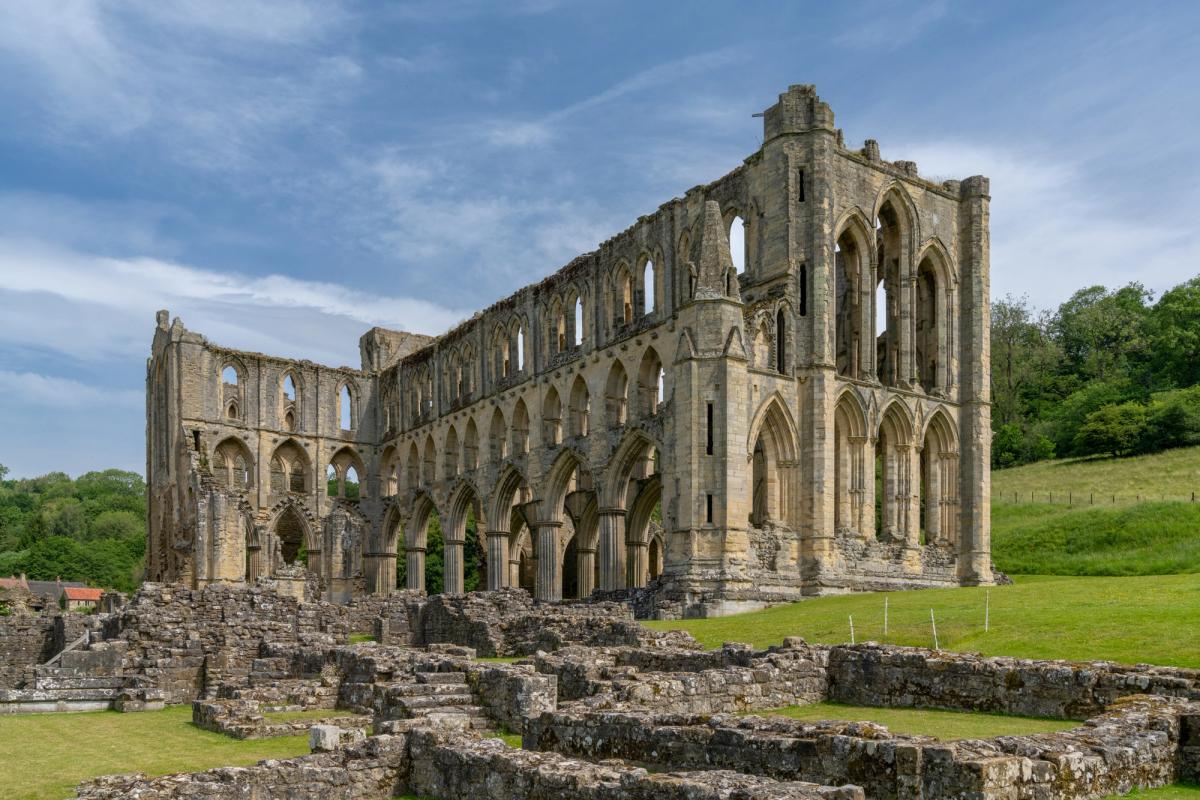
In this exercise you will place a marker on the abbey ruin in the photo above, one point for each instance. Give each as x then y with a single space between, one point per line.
745 397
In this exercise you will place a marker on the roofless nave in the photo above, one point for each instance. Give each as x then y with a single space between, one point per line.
753 407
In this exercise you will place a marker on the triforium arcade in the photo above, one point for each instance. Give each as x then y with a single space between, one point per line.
803 413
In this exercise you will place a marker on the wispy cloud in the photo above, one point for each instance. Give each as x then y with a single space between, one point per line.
1053 231
110 303
537 132
880 24
56 392
207 81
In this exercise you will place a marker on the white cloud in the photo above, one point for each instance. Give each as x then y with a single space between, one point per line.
537 132
84 306
207 81
55 392
1053 231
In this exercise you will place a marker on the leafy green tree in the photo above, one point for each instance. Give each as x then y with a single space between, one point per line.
1116 429
1174 336
1022 354
1103 334
117 525
1173 419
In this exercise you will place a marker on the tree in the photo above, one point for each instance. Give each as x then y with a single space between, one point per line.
1102 333
1115 429
1022 354
1174 336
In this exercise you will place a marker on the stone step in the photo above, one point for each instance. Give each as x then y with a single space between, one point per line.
411 704
427 689
458 678
71 681
476 719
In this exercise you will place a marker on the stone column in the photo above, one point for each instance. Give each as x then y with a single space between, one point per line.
637 564
453 565
384 571
498 566
975 477
587 571
933 498
549 571
612 539
414 561
910 495
844 482
866 521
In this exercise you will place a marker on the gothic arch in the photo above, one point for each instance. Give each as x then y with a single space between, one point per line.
774 467
616 475
291 469
899 484
854 466
232 464
939 480
896 192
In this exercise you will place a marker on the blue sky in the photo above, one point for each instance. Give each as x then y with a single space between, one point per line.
283 175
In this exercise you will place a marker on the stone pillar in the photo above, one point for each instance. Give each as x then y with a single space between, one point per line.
975 477
414 561
453 566
587 571
549 571
844 480
866 522
514 570
910 495
637 564
498 565
384 572
611 544
933 498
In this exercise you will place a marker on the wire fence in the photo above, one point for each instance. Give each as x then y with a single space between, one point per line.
1070 497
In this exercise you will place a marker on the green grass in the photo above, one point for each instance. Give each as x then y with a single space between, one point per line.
46 755
944 725
1142 539
1153 619
360 638
501 659
1173 473
1178 791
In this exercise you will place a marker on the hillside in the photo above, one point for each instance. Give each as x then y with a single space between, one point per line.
1144 619
1170 475
1074 526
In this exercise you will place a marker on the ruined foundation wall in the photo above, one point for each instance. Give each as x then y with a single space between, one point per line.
875 675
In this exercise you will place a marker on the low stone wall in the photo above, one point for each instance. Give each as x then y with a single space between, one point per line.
182 639
510 623
1140 743
373 770
880 675
735 678
243 719
26 640
512 695
465 768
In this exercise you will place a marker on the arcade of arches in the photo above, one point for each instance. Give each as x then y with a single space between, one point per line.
773 387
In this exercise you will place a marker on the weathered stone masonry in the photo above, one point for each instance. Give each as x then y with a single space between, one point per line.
751 405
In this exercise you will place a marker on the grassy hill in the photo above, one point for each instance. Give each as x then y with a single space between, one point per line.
1073 536
1169 475
1154 619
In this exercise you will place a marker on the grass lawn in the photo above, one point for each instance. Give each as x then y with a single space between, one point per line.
1179 791
46 755
1154 619
1174 474
1139 539
944 725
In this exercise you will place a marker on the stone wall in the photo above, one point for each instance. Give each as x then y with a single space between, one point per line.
511 623
1143 742
26 640
373 770
735 678
183 640
879 675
